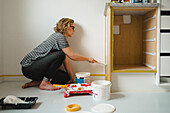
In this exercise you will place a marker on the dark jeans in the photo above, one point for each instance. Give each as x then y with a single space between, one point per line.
47 67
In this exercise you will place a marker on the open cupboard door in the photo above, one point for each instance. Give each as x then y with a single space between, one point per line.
108 45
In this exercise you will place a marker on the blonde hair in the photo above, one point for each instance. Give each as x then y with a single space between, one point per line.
62 24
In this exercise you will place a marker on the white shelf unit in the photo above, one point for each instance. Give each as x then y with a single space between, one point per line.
163 77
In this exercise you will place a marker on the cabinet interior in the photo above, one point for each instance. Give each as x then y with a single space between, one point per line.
135 47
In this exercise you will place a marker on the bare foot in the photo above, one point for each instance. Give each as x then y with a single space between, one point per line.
45 85
31 84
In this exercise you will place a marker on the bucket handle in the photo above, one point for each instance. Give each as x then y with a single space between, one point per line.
93 93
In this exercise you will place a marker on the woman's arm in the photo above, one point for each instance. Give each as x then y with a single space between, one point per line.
68 69
77 57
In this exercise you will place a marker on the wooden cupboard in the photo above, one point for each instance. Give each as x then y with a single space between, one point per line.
131 47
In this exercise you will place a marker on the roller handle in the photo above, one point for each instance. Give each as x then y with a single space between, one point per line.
59 85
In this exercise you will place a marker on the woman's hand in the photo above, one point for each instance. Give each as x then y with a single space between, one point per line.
72 79
92 60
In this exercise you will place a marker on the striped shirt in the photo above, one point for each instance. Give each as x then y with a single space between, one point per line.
56 41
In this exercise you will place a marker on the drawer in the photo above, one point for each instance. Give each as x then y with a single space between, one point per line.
165 42
165 24
165 5
165 66
165 79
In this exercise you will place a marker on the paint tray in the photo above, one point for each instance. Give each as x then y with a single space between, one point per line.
72 89
31 101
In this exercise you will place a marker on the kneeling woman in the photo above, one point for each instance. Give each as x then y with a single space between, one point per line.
42 64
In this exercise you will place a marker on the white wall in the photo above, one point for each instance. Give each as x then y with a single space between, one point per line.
1 66
28 22
136 82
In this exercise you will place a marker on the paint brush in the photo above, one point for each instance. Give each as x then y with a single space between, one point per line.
100 63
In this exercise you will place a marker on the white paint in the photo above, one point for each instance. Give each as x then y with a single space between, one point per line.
149 53
82 74
152 67
150 29
11 99
150 40
150 18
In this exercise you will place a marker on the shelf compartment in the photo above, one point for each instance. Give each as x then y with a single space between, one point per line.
134 49
132 68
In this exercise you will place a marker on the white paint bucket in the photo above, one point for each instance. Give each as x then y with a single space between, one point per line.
83 77
101 90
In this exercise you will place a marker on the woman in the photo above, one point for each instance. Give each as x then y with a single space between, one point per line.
42 63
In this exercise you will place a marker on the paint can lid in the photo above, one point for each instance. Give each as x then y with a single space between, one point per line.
101 83
103 108
82 74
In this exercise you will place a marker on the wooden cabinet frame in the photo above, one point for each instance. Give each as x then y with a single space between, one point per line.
109 37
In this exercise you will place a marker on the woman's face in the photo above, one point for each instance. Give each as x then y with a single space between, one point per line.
70 30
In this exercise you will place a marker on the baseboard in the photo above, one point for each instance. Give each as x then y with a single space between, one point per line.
1 79
7 78
15 79
20 75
